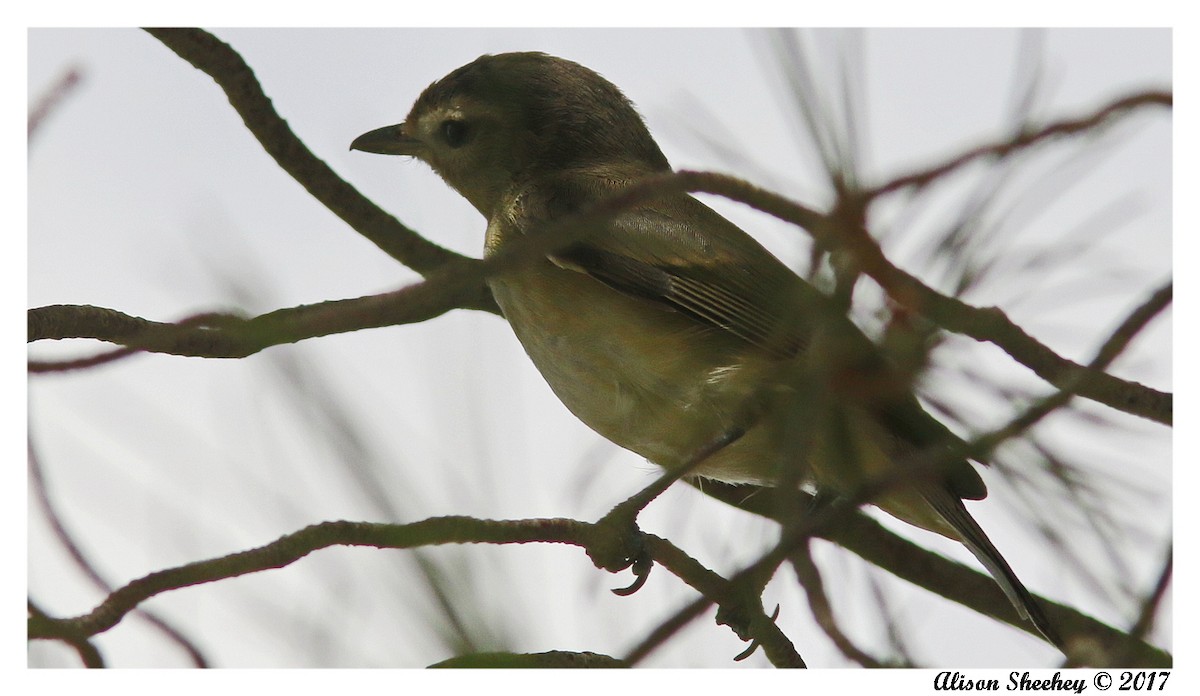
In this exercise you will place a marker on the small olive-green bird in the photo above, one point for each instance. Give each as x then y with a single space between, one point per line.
670 329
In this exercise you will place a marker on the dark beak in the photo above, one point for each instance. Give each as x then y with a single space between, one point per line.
389 140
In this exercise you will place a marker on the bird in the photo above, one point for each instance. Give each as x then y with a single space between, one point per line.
669 330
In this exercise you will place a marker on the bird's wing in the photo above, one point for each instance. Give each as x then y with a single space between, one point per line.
679 253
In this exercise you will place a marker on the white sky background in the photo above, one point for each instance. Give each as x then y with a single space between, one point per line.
148 195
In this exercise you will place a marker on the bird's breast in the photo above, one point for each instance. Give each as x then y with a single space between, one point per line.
650 379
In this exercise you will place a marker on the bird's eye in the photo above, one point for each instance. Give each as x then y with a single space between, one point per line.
454 132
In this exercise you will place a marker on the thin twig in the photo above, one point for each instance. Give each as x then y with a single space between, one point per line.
1150 607
37 481
822 609
52 99
1027 138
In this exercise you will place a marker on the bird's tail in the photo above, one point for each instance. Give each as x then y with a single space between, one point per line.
952 510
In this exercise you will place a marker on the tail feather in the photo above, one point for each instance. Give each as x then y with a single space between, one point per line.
952 510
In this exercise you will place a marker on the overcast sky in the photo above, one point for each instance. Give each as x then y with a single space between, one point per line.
148 195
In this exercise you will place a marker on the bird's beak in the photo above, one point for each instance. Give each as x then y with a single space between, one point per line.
389 140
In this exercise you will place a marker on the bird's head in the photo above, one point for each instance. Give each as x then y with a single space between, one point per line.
506 118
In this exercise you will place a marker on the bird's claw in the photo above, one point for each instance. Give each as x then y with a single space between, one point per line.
642 565
740 626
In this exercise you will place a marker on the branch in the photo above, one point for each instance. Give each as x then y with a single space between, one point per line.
229 336
441 530
293 547
224 65
554 659
1120 338
731 596
88 654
